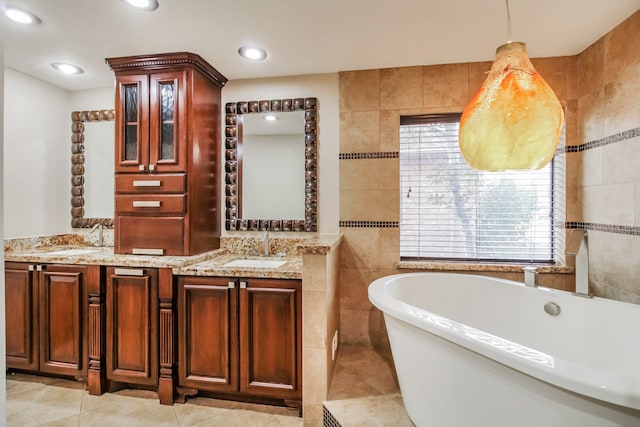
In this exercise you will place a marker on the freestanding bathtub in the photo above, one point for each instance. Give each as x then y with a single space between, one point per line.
481 351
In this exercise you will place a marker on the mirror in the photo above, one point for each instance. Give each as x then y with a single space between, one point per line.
92 136
271 166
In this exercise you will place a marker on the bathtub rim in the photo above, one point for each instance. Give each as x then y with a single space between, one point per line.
586 380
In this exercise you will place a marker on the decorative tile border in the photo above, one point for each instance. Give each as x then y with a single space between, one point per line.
607 228
618 137
369 224
359 156
629 230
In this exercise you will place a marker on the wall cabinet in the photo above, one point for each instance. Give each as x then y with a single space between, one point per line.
168 113
132 325
240 336
46 317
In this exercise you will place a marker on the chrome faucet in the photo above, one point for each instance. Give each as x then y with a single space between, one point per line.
100 228
530 276
578 247
265 243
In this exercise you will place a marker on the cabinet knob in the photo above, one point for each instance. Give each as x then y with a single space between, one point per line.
141 168
243 285
232 285
152 167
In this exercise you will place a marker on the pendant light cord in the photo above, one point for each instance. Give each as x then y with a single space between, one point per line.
508 23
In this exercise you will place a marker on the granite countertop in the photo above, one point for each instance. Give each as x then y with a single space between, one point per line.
291 269
475 267
75 249
102 255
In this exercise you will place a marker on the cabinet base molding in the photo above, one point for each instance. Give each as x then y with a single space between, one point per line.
294 404
113 386
165 391
182 393
96 382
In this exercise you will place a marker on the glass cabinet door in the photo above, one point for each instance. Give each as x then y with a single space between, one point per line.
132 142
166 123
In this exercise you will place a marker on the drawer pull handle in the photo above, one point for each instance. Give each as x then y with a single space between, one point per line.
150 183
147 251
146 203
129 272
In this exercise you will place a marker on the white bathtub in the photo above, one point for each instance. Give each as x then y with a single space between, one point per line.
481 351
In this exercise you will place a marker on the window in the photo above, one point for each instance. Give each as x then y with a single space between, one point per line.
449 211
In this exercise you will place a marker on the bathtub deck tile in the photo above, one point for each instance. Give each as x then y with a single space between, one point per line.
385 410
358 398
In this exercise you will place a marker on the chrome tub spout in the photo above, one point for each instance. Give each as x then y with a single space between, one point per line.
578 247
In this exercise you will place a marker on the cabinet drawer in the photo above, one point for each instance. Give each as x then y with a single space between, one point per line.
158 183
141 235
151 203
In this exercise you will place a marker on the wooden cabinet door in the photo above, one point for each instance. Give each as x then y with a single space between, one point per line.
207 333
63 301
167 126
132 123
21 307
132 325
270 338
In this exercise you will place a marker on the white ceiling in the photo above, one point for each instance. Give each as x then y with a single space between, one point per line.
300 36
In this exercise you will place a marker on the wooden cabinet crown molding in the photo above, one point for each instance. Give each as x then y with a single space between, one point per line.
126 64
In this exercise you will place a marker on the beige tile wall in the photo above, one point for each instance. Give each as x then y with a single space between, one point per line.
320 318
599 89
371 103
608 177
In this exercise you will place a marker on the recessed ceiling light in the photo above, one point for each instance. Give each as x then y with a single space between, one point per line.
252 52
147 5
21 16
66 68
270 117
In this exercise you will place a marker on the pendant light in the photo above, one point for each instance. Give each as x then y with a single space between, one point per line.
515 119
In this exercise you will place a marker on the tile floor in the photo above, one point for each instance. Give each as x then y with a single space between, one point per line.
364 391
357 398
42 401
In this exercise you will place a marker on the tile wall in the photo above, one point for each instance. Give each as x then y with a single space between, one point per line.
320 317
599 89
607 161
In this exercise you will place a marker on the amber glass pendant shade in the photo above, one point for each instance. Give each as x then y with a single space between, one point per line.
514 120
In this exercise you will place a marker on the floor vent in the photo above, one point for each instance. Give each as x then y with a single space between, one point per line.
328 420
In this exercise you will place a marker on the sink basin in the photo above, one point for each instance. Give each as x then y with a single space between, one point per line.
75 251
256 263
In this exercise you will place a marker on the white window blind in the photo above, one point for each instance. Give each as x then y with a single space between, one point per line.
450 211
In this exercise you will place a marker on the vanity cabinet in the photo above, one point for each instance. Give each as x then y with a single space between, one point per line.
167 119
46 317
21 306
240 336
132 325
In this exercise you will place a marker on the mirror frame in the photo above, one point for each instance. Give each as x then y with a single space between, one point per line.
78 119
233 165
